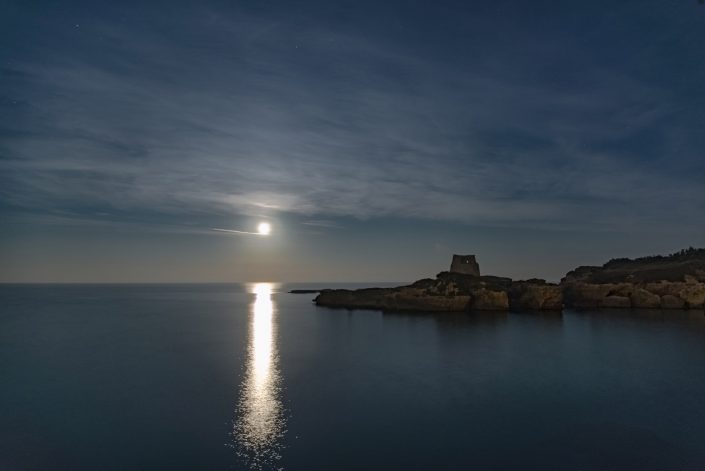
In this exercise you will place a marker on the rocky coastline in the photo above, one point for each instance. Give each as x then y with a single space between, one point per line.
676 281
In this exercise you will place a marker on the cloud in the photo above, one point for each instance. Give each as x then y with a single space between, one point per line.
233 231
332 124
323 223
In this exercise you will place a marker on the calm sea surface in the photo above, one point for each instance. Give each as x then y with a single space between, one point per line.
250 377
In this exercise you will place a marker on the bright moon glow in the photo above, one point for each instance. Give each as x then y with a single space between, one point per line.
264 228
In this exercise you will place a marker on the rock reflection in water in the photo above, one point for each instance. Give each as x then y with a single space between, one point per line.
260 422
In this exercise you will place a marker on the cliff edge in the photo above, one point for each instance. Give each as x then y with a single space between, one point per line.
451 291
675 281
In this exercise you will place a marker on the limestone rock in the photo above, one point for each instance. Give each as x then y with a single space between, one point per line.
535 295
668 301
645 299
694 295
487 300
450 292
669 282
690 279
672 282
586 295
405 299
373 298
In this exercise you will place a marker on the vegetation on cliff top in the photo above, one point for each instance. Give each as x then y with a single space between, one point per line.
673 267
684 255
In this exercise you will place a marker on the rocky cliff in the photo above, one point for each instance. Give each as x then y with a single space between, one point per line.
451 292
676 281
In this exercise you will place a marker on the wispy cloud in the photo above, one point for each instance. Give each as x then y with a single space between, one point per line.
333 124
323 223
233 231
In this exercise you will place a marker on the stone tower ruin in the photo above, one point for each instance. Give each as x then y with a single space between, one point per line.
465 264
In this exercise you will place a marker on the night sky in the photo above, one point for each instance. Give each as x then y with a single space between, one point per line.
377 138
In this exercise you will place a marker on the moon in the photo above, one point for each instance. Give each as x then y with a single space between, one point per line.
264 228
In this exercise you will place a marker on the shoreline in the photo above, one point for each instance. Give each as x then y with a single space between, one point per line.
672 282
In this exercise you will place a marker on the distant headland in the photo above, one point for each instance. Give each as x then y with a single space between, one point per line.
675 281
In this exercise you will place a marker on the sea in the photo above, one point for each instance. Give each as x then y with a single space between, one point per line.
250 376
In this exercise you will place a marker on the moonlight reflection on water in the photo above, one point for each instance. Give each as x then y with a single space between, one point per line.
260 420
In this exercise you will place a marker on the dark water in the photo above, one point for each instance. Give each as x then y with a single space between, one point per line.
216 377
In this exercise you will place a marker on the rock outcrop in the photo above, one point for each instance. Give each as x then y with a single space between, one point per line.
535 295
450 292
676 281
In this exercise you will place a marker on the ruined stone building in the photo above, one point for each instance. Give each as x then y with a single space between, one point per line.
465 264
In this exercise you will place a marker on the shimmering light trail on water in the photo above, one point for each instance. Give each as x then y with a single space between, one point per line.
260 422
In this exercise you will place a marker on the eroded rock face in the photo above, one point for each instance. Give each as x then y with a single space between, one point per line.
669 301
488 300
645 299
392 299
373 298
693 295
665 295
535 295
673 282
586 295
412 300
676 281
450 292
